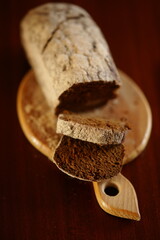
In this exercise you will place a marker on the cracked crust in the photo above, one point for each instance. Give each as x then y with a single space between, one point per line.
95 130
58 27
66 49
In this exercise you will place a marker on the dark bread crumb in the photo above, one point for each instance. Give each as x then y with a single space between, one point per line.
87 160
86 96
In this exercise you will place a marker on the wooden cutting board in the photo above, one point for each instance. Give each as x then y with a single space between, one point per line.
39 125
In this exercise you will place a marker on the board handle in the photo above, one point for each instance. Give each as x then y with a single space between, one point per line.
117 197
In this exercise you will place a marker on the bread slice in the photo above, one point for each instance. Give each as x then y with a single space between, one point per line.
88 161
90 148
95 130
70 57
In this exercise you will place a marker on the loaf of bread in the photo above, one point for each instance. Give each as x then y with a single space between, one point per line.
88 161
95 130
70 57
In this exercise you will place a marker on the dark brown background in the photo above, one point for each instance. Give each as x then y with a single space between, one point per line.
39 202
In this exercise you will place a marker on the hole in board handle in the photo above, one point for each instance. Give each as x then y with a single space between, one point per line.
111 190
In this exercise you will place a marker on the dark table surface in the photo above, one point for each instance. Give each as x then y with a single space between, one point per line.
37 201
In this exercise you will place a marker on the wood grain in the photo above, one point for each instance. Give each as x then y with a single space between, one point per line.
36 200
117 197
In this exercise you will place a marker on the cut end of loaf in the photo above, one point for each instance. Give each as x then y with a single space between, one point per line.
86 96
88 161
